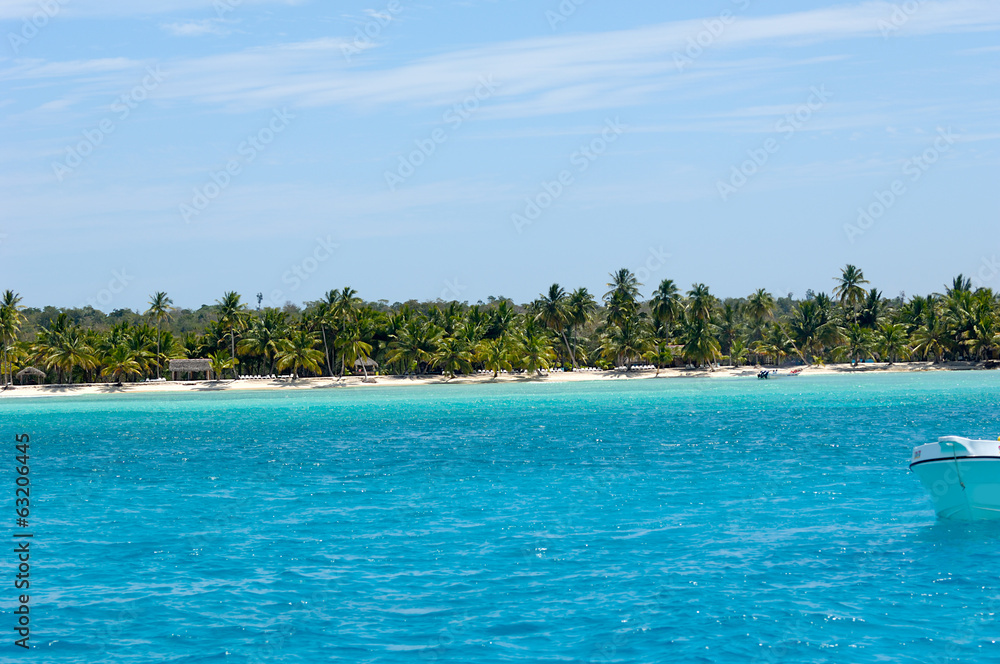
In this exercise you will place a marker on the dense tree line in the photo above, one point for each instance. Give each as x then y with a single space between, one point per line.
342 334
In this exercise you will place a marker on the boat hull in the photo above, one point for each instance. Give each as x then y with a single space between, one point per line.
962 477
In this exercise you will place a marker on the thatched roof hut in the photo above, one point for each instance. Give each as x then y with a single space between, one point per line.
190 366
30 371
369 364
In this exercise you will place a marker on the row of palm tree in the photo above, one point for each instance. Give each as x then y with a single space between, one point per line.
342 334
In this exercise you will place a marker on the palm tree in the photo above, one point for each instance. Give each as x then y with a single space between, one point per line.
913 312
69 351
17 357
667 306
582 308
625 283
120 362
626 341
357 349
536 350
264 336
659 356
159 308
414 345
701 303
299 352
738 353
775 343
849 288
454 354
730 327
221 360
700 345
985 338
327 317
959 284
502 320
860 343
621 300
811 328
984 335
930 339
759 308
231 311
140 343
10 324
173 348
928 342
552 310
872 310
891 342
495 354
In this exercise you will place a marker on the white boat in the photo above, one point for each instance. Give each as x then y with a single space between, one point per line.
766 374
962 476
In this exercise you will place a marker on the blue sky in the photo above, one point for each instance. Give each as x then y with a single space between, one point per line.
458 150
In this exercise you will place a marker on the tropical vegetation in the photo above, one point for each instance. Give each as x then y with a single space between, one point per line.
569 329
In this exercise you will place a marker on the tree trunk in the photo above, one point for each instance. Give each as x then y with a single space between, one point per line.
232 341
157 347
326 350
569 349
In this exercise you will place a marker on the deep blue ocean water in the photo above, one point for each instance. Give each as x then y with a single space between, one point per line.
643 521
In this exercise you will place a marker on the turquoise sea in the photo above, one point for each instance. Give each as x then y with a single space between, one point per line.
636 521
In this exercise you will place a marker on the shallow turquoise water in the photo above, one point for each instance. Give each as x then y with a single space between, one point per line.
641 521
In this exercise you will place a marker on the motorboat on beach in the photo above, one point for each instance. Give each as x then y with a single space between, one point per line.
962 476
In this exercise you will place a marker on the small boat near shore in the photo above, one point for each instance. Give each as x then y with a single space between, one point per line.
962 477
767 374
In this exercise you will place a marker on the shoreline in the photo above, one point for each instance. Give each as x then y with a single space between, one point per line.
747 372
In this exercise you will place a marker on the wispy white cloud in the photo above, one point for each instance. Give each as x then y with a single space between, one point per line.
35 69
209 26
535 76
21 9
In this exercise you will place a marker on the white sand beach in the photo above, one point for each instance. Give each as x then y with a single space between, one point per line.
745 372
